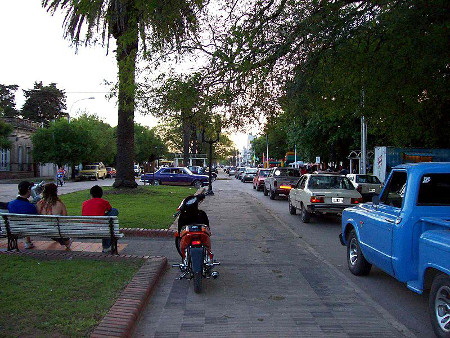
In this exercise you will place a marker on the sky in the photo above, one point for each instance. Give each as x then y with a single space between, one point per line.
33 49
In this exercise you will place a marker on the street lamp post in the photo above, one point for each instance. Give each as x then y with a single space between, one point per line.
86 98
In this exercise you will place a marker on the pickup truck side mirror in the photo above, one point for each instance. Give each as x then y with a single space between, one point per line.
376 200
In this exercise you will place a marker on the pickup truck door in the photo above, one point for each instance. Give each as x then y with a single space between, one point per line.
376 230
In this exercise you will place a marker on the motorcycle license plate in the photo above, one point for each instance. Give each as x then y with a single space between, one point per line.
371 190
337 200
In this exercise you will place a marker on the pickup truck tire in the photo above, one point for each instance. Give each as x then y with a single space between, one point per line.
272 194
439 305
292 209
357 263
305 215
265 191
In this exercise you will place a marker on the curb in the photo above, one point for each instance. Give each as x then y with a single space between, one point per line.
122 317
139 232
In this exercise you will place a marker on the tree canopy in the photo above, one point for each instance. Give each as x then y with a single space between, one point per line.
44 103
5 131
8 100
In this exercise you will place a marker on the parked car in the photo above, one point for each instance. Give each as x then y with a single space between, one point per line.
176 176
258 180
406 233
248 174
110 172
95 171
280 181
137 170
367 185
317 194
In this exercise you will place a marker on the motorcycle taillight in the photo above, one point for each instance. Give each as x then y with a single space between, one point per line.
196 242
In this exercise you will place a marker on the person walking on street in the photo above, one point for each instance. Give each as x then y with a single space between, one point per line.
50 204
21 205
97 206
60 176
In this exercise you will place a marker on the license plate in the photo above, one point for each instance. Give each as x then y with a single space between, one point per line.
371 190
337 200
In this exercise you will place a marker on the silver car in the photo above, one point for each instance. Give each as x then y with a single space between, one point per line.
322 194
367 185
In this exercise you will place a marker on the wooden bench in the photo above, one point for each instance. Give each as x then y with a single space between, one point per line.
15 226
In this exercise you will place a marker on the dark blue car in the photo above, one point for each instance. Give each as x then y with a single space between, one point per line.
176 176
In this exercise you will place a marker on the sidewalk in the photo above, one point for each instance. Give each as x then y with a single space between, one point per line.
272 284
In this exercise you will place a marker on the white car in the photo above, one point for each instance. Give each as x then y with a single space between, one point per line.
322 194
367 185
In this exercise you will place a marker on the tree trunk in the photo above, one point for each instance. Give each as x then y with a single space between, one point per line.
186 141
127 45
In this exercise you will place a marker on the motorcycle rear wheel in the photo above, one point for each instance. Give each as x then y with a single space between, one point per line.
198 282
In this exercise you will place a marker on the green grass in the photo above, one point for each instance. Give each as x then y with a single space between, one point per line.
150 207
58 298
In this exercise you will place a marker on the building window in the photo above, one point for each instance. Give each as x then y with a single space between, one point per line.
28 158
4 160
20 158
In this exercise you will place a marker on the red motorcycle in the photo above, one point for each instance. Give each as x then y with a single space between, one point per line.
193 243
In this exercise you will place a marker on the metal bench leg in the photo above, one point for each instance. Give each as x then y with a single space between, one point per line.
114 250
12 243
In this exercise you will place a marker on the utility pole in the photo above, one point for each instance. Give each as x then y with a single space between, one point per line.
210 142
267 154
363 167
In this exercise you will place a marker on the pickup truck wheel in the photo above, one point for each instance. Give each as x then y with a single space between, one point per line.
439 305
292 209
357 263
265 191
305 215
272 194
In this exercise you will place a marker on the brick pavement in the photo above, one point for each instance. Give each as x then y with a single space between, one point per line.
271 285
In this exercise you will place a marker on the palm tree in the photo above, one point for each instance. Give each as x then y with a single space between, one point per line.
159 23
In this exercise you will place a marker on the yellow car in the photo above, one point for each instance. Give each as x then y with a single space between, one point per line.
94 171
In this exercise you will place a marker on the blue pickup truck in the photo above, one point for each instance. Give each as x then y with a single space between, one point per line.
405 231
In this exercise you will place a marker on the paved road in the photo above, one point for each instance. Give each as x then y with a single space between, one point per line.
406 306
272 284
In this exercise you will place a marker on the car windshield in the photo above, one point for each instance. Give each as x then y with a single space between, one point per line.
251 171
367 179
264 173
90 167
329 182
287 172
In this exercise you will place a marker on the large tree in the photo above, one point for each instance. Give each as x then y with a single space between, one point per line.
85 140
44 103
5 131
8 100
156 23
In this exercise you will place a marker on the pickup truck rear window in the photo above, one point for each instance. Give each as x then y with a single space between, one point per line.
434 190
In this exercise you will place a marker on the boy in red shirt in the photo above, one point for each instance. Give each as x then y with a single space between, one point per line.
97 206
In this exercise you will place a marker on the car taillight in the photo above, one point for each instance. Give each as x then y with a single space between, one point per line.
356 200
359 188
196 242
288 187
316 199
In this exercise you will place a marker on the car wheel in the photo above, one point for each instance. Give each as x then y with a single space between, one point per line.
265 191
439 305
272 194
197 184
292 209
357 263
305 215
